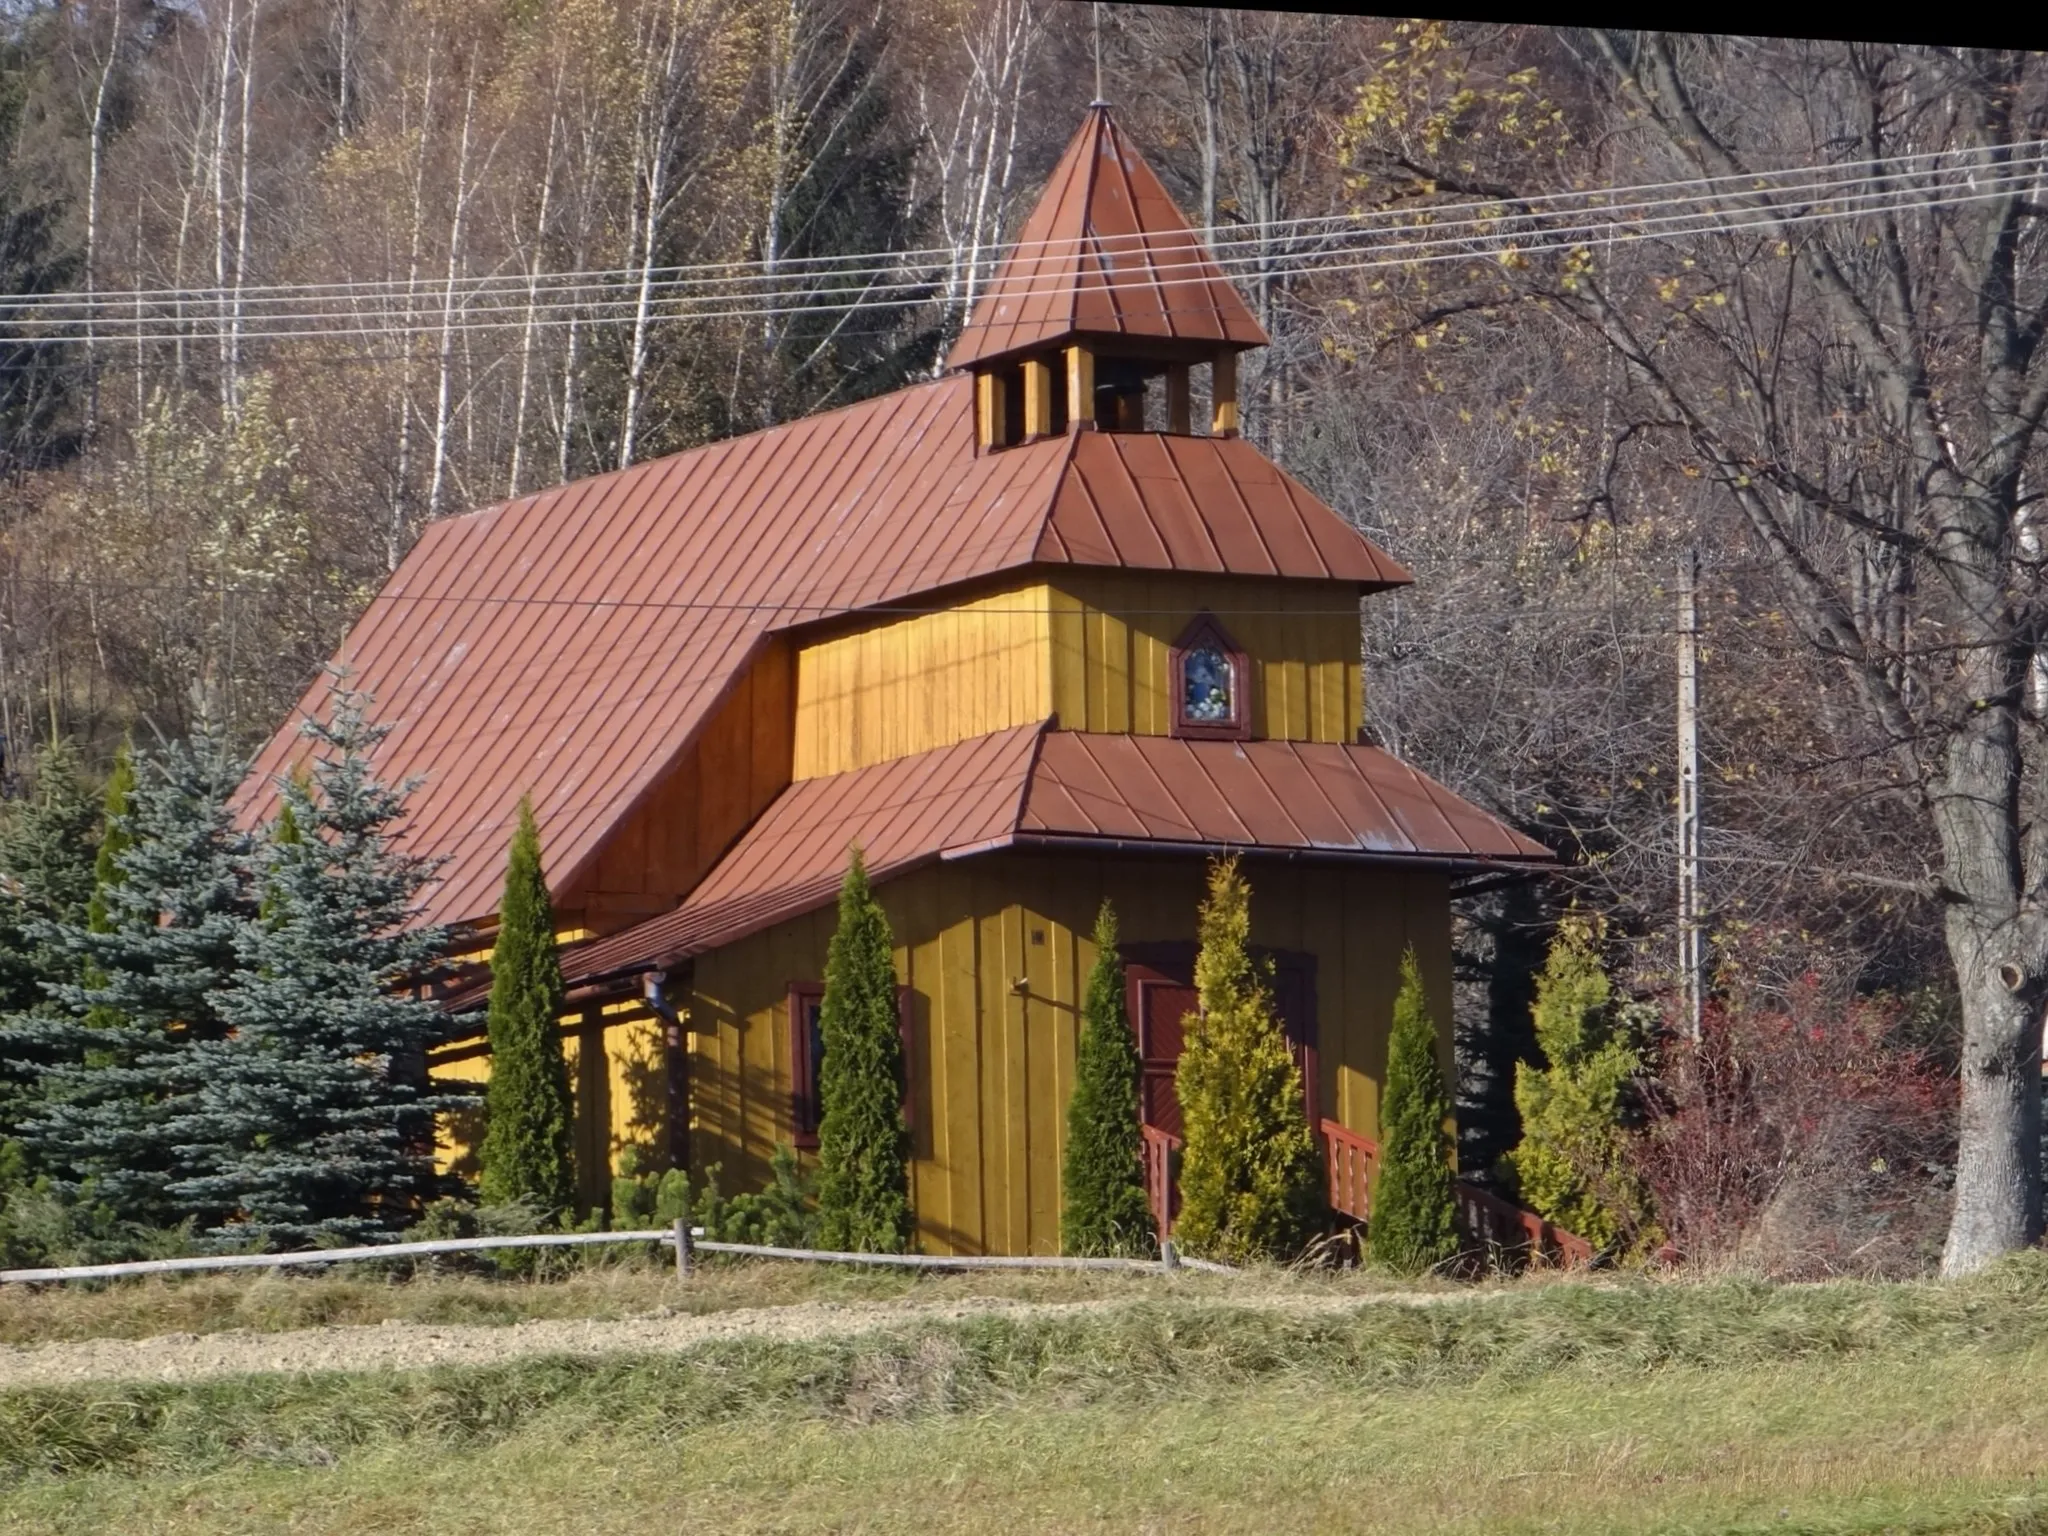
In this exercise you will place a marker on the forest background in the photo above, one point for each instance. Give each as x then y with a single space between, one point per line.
286 281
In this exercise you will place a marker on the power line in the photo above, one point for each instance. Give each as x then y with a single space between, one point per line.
1818 176
1428 250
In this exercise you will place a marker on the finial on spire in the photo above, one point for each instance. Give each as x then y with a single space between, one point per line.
1098 102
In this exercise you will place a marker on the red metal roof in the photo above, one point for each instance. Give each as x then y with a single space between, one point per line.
902 814
1323 796
568 644
1104 253
1031 787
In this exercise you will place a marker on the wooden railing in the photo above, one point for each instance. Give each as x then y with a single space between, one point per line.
1494 1225
1352 1160
1162 1184
1488 1224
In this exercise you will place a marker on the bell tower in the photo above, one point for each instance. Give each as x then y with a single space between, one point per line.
1104 309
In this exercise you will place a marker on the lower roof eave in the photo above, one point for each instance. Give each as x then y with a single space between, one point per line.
1457 864
616 979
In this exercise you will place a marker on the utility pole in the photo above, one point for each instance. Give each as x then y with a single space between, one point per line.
1690 979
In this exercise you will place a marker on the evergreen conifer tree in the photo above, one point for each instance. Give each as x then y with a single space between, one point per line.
863 1144
1572 1166
46 875
1103 1209
1414 1223
115 1051
527 1154
116 838
46 854
313 1120
1251 1182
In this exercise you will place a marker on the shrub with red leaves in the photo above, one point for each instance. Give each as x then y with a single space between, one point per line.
1802 1137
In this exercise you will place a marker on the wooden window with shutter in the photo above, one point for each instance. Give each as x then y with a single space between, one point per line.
807 1054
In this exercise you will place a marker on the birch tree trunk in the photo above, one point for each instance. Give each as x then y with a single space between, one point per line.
96 150
653 170
444 355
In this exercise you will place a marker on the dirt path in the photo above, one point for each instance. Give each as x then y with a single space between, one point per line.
410 1346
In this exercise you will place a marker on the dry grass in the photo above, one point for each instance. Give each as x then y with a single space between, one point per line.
1954 1443
1623 1407
275 1300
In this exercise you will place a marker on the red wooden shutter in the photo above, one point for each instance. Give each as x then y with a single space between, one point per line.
805 999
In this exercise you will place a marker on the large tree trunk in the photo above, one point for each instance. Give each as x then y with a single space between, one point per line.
1995 943
1998 1159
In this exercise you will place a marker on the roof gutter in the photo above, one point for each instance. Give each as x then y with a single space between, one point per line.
1472 865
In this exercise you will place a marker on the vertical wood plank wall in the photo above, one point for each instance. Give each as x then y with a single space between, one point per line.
1092 647
1113 634
739 763
910 684
618 1078
994 1064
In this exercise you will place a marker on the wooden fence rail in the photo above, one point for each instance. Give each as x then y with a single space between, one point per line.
1161 1152
576 1240
1353 1160
1490 1226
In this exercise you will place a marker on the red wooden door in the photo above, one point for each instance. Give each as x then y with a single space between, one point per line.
1158 1003
1160 993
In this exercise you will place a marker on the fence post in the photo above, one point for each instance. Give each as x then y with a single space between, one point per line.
684 1245
1169 1255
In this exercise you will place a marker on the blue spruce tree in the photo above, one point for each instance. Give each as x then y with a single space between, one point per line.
114 1050
315 1120
46 874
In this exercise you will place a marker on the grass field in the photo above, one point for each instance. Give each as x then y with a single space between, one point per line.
1563 1407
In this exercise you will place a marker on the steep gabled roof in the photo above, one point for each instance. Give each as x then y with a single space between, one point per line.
569 644
1031 787
1105 253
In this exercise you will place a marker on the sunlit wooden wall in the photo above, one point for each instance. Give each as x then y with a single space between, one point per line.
993 1061
1091 647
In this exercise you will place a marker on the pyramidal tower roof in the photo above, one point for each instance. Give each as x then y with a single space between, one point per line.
1105 253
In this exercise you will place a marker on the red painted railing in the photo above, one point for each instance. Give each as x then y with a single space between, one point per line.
1353 1160
1489 1224
1495 1225
1162 1186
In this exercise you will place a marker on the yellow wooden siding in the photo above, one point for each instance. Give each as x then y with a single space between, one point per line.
907 685
1113 635
993 1064
736 767
458 1133
1093 648
618 1078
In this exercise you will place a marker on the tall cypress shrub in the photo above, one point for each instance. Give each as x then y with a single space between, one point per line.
1414 1223
1251 1181
527 1155
314 1118
1573 1164
1103 1209
863 1144
116 838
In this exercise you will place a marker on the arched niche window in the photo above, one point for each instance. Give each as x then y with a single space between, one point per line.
1211 683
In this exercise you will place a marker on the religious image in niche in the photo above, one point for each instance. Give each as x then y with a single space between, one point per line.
1207 675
